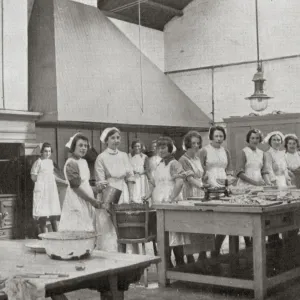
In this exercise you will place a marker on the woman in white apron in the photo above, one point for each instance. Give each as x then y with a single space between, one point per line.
215 160
251 167
168 183
275 159
46 203
139 163
292 156
112 167
78 212
277 168
193 187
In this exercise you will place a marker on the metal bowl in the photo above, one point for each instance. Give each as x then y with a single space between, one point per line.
68 245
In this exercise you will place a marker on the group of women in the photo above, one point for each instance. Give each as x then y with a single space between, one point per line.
158 179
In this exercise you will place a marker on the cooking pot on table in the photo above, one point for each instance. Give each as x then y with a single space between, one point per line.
111 195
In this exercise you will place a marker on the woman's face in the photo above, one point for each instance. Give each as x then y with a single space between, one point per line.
218 138
81 148
46 152
163 151
137 148
114 141
276 142
195 144
292 146
153 147
254 140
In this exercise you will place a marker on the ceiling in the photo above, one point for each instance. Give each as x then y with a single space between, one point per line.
153 13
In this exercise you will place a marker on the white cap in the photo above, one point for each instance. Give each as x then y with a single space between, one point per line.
292 135
69 143
106 131
269 135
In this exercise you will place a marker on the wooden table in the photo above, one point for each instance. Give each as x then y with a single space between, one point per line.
109 273
257 222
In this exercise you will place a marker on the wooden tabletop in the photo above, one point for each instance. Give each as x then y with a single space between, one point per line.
189 206
15 258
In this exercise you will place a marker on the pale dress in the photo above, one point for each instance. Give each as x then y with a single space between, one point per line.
141 187
252 164
45 195
277 167
293 162
164 177
77 214
193 167
215 162
113 166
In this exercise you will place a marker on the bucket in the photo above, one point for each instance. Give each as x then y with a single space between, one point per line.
131 221
111 195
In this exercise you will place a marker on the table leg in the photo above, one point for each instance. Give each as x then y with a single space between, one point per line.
114 293
163 248
259 258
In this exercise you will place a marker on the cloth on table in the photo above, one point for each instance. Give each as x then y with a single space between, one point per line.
17 288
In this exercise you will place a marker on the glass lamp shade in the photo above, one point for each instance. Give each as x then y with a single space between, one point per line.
259 100
258 104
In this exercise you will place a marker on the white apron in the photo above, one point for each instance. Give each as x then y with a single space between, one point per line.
279 167
164 185
78 214
199 242
253 167
45 195
216 164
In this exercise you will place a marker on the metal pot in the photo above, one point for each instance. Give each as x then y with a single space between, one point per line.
111 195
69 244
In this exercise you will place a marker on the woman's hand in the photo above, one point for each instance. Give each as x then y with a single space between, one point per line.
260 182
101 185
96 203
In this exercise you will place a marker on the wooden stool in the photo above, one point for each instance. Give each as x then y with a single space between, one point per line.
135 224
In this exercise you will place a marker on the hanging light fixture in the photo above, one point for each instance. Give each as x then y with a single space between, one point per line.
259 100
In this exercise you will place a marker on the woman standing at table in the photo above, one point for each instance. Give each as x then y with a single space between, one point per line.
292 157
139 163
46 203
277 168
112 167
78 208
215 160
275 159
153 162
193 185
251 167
168 183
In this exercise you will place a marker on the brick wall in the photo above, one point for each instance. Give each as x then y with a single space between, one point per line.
214 33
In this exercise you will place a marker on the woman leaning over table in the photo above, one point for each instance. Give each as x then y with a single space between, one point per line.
112 167
216 163
168 183
251 167
193 187
277 168
78 213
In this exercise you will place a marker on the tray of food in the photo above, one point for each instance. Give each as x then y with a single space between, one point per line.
241 201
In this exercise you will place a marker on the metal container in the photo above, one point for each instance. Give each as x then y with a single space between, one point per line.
111 195
68 245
